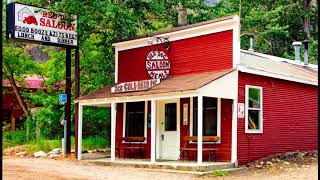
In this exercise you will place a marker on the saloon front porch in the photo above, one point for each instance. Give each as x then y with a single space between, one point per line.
150 127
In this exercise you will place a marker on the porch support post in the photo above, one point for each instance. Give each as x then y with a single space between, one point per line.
200 104
79 132
234 132
153 130
113 131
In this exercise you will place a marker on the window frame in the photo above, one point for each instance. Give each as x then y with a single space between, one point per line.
145 122
247 130
218 121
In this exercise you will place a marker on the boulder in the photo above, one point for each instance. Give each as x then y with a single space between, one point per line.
54 155
55 151
39 154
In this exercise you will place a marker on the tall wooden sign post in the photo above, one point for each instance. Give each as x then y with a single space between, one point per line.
39 25
77 94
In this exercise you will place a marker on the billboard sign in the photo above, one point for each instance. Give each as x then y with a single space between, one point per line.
40 25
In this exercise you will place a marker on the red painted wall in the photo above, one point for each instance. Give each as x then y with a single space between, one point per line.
224 152
290 118
119 131
192 55
224 149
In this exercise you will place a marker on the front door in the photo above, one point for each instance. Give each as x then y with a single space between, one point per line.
169 130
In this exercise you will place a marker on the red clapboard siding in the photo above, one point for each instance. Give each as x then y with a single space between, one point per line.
290 118
224 149
193 55
119 131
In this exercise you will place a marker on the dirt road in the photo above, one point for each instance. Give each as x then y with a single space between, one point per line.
31 168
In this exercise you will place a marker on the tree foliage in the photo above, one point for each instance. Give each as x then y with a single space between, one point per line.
275 24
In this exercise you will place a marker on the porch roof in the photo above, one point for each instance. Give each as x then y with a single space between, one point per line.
169 85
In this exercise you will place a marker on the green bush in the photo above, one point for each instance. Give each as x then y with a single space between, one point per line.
14 138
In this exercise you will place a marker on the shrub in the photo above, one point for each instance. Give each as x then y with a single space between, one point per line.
14 138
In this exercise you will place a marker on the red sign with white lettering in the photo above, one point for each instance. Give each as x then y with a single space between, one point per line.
158 65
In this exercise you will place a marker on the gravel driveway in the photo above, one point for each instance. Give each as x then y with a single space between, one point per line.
31 168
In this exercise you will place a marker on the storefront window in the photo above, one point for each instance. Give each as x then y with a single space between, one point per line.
209 116
135 119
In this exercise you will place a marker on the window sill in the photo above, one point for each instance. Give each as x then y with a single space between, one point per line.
125 142
253 132
218 142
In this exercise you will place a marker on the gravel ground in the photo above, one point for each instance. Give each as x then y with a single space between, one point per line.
31 168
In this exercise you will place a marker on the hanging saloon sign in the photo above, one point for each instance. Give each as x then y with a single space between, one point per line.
40 25
157 65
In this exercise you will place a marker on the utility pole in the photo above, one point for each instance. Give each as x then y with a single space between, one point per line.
68 103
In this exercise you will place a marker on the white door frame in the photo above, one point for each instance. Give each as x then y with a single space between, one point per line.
158 144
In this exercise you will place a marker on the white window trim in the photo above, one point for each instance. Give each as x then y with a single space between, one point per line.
218 122
145 122
259 131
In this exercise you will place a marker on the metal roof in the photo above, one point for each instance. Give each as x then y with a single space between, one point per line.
277 67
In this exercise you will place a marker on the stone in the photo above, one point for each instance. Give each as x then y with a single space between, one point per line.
21 154
258 166
278 160
269 163
53 155
39 154
55 151
261 163
285 162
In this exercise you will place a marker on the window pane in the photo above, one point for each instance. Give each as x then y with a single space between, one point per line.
254 119
171 117
254 98
135 119
209 116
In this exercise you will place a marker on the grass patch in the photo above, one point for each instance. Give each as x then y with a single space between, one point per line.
95 143
220 173
42 144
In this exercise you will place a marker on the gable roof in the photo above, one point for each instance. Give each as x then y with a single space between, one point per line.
276 67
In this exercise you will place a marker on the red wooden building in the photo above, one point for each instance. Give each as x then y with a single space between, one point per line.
12 111
195 81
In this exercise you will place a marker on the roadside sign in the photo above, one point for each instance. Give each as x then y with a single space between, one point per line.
34 24
63 98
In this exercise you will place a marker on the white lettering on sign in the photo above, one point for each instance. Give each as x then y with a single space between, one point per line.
158 65
38 24
240 110
135 86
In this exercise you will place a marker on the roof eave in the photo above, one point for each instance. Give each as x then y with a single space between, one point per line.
274 75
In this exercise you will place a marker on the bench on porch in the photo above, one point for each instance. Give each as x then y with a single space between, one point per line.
186 149
128 149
